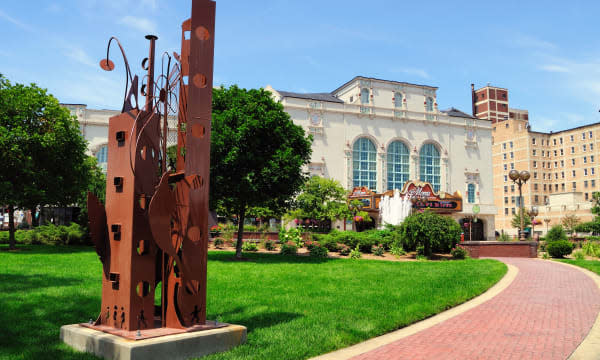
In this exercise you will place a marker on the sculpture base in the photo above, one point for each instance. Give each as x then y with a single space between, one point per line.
183 345
155 332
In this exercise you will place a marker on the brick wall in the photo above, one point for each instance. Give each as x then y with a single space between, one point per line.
479 249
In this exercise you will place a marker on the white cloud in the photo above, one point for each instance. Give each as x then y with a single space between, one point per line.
14 21
413 71
142 24
531 42
555 68
79 55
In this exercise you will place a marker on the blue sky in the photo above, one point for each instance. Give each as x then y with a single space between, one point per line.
546 53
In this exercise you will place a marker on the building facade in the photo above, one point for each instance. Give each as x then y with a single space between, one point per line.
381 134
563 168
93 125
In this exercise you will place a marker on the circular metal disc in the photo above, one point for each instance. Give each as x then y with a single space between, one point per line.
107 65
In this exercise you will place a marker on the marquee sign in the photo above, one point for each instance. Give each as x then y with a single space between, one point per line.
424 196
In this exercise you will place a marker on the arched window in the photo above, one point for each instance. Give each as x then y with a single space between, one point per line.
429 104
398 99
364 164
397 165
471 193
364 95
430 165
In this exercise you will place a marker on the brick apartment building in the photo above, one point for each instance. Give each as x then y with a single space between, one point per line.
563 164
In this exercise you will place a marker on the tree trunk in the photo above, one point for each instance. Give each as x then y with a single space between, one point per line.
240 234
11 228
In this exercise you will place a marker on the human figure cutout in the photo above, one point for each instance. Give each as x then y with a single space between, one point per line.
115 315
122 316
107 313
142 319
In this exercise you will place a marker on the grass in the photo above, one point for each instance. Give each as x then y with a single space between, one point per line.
294 307
592 265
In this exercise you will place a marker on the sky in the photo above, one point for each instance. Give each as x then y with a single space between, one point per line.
546 53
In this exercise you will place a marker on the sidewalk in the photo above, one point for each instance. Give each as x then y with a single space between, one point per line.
545 313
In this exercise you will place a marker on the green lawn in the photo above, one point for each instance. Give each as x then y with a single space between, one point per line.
592 265
294 307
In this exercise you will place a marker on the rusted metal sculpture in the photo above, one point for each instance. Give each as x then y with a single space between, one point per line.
154 229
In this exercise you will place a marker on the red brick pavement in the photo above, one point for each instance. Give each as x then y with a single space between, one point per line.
544 314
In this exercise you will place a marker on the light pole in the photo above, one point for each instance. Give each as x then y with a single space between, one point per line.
520 178
533 213
547 221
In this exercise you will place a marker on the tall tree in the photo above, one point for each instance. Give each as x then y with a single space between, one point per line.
257 153
42 150
321 199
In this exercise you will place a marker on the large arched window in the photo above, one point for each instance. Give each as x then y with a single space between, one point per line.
364 95
102 157
398 100
397 165
429 104
430 165
471 193
364 164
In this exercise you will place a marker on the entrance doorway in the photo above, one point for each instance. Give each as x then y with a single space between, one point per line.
474 231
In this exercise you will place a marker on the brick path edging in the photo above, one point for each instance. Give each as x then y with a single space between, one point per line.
379 341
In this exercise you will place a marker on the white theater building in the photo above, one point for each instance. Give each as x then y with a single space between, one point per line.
381 133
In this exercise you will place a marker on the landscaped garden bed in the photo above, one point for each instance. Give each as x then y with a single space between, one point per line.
295 307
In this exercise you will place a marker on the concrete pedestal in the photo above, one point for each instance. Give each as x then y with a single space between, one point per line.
179 346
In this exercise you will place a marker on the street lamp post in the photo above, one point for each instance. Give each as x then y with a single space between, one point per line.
520 178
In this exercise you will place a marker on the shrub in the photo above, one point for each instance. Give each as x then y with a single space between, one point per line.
269 245
420 251
378 250
288 248
579 255
556 233
249 246
291 234
218 242
397 251
545 256
344 250
459 252
591 248
503 237
559 248
355 254
318 251
432 231
542 245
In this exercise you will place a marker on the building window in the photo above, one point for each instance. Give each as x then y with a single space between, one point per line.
554 141
562 186
560 140
562 152
562 174
471 193
535 164
572 150
504 156
512 166
430 165
397 99
364 95
535 175
592 170
574 185
556 176
584 172
102 156
533 141
512 188
505 167
593 183
429 104
573 173
504 146
505 211
533 152
512 155
364 164
544 187
583 136
590 134
397 165
506 199
536 199
587 196
513 211
584 147
511 144
535 187
573 162
585 184
585 159
591 158
555 153
512 199
591 147
505 189
572 139
505 178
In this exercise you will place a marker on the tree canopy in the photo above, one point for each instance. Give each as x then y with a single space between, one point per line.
42 150
321 199
257 153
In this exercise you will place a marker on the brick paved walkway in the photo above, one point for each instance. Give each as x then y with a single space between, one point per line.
544 314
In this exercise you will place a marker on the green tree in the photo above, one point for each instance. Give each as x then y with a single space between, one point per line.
257 153
570 222
321 199
516 220
96 185
42 150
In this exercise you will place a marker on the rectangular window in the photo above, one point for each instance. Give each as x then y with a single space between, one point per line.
555 164
555 153
511 144
556 187
591 158
536 199
591 147
585 184
562 186
554 141
506 199
512 166
584 172
535 175
513 211
543 165
512 188
562 163
556 176
505 178
504 146
584 147
535 164
574 185
505 211
572 138
573 162
585 159
505 167
562 174
544 187
512 155
593 183
582 136
562 152
561 141
590 134
504 156
512 199
533 152
543 153
533 141
535 187
573 173
572 149
544 176
592 169
587 196
505 189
